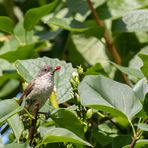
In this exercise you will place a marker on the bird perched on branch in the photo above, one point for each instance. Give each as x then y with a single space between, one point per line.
40 88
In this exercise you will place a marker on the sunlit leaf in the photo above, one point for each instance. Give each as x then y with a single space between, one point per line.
68 24
109 96
34 15
136 20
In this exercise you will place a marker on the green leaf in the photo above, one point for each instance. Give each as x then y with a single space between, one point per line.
6 24
5 65
118 25
104 127
118 141
17 126
136 20
141 89
62 135
28 69
109 96
144 68
143 126
68 24
8 87
16 145
34 15
101 137
22 52
130 71
81 7
72 122
94 29
23 37
96 70
8 108
79 47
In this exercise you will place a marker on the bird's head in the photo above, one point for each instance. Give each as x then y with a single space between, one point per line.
48 69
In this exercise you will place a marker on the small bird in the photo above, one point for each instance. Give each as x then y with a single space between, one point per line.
40 88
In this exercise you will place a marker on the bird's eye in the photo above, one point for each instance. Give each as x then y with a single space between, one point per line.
45 69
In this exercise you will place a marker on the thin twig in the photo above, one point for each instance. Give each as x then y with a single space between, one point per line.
108 39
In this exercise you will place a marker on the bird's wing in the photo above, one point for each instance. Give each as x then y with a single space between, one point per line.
26 92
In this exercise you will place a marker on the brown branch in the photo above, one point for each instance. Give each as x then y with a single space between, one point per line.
133 143
108 39
33 123
135 138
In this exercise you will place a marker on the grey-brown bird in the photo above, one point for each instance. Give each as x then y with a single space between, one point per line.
40 88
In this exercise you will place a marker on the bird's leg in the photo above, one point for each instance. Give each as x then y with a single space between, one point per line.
33 123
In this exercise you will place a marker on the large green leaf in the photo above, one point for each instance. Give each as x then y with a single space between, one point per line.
34 15
8 108
144 68
6 24
72 122
17 126
62 135
110 96
136 20
68 24
28 69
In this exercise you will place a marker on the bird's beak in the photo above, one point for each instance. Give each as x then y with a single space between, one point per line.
57 68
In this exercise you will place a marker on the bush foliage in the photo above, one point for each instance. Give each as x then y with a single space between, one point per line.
101 91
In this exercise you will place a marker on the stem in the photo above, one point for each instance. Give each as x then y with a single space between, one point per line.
133 129
108 39
136 136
